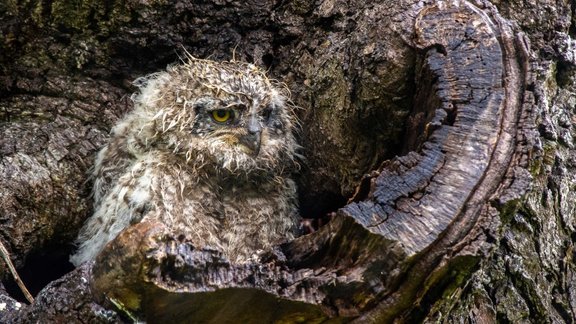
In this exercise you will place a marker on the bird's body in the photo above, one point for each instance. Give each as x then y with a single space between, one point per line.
208 151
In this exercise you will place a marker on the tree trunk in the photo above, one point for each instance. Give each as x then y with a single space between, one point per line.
437 135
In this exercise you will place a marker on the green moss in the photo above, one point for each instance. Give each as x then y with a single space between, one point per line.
451 276
101 17
301 7
79 14
121 308
9 6
537 166
508 210
444 286
238 305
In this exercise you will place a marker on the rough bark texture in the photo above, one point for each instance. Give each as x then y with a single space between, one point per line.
440 132
529 275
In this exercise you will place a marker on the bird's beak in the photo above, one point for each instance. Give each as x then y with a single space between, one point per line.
252 138
251 141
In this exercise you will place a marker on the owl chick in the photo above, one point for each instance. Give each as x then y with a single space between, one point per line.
208 150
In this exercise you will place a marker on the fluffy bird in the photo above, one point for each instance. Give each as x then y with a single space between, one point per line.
208 150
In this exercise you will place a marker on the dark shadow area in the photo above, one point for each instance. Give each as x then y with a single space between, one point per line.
40 269
320 205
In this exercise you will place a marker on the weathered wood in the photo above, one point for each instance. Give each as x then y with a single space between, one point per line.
47 145
522 280
158 278
448 215
146 261
65 299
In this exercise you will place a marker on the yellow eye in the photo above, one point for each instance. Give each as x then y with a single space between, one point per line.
221 115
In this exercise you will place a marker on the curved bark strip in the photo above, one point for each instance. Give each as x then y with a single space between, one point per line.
419 215
421 194
155 275
481 79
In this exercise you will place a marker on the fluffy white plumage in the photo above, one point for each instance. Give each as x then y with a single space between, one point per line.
208 150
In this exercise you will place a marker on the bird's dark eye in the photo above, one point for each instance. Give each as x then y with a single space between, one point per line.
221 115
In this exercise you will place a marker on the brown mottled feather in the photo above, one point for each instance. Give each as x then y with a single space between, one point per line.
170 160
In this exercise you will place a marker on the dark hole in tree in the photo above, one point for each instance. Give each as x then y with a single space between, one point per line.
268 60
40 269
319 210
564 72
387 128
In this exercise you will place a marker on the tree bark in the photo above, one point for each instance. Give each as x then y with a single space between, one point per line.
438 133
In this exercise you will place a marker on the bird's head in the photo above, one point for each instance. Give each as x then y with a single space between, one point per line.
228 113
